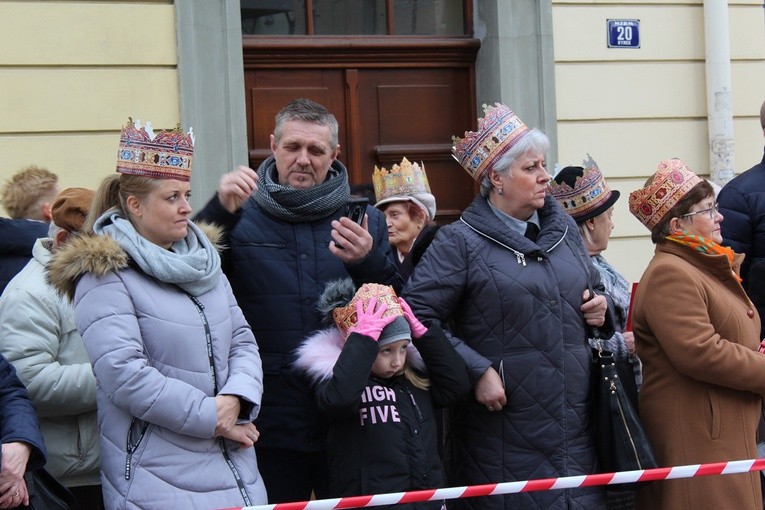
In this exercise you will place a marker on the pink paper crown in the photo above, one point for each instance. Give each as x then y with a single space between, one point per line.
345 317
167 155
590 191
673 179
498 131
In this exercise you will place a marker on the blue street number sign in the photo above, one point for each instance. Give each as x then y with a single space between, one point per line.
623 33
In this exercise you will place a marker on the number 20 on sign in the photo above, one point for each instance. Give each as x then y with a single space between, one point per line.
623 33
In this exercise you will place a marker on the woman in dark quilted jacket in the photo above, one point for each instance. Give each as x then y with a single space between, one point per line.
512 282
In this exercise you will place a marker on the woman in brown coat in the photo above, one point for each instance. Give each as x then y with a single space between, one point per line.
696 332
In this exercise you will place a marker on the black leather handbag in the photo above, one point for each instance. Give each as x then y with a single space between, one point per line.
621 442
47 493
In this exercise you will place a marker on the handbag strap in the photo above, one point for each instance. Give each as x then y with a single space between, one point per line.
594 330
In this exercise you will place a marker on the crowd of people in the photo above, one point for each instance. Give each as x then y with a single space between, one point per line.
270 349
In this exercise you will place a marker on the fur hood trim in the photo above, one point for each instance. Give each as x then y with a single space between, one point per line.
318 354
214 233
100 255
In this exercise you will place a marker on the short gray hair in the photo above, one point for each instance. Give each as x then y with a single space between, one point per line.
534 141
585 233
307 111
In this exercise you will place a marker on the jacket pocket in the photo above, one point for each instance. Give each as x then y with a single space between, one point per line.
272 363
135 440
714 413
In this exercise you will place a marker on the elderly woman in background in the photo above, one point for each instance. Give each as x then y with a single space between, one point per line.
583 192
403 195
514 283
697 334
178 370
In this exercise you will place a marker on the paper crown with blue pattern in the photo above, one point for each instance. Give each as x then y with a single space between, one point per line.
498 131
582 190
167 155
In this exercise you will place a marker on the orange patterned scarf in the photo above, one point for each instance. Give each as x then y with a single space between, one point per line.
703 245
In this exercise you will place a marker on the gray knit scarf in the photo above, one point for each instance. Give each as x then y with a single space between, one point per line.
193 263
299 205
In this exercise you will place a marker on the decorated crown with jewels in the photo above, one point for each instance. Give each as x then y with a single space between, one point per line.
589 195
167 155
404 182
498 131
401 180
671 182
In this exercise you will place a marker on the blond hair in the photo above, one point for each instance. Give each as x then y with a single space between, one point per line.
113 194
24 194
416 379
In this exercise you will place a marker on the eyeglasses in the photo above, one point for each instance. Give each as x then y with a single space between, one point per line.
711 212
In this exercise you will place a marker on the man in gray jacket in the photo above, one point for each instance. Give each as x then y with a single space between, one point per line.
38 336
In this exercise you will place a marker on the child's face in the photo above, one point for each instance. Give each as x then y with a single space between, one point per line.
390 360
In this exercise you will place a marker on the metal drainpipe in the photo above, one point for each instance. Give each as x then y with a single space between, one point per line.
719 96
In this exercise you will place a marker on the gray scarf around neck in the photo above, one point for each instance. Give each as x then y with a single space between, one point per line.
193 263
299 205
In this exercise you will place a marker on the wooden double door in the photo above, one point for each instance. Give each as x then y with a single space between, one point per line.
393 98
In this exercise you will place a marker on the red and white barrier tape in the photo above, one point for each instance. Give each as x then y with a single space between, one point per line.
493 489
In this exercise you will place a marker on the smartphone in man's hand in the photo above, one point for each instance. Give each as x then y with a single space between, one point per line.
356 209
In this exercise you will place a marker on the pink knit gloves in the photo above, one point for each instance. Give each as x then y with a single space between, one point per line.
414 323
370 322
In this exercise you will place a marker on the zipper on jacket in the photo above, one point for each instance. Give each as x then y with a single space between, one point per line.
414 404
239 483
131 447
519 257
211 359
208 337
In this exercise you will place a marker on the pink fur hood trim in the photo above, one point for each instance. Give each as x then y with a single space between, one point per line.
318 354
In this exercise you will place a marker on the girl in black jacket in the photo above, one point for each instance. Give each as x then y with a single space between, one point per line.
371 379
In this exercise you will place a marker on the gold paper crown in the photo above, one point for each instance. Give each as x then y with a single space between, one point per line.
672 180
401 180
590 195
498 131
345 317
167 155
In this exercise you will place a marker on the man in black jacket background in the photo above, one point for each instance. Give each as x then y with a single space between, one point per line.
742 203
287 237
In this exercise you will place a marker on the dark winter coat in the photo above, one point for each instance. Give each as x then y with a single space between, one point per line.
421 243
16 240
742 204
278 270
382 436
514 305
18 420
